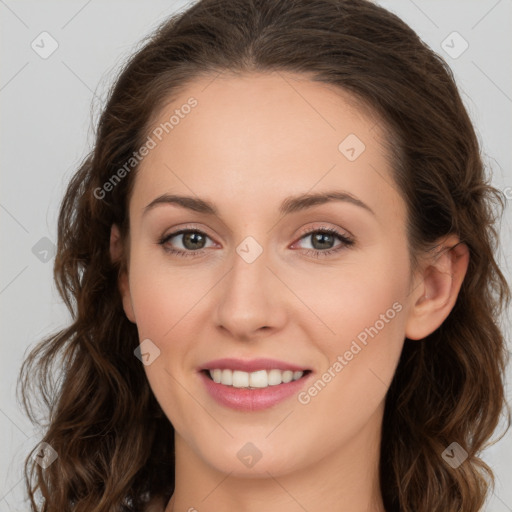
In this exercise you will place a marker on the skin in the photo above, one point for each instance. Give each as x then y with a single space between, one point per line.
251 142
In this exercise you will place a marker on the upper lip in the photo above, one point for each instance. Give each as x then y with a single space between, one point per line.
251 365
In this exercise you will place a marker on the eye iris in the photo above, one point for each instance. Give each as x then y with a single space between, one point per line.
321 238
193 238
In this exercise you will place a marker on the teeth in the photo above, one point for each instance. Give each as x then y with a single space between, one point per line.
226 377
274 377
240 379
259 379
287 376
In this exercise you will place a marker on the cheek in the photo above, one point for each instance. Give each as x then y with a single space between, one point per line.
363 310
366 290
163 296
163 301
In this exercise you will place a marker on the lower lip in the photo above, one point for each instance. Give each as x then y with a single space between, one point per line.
243 399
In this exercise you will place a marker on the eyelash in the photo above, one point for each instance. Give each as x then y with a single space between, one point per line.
346 242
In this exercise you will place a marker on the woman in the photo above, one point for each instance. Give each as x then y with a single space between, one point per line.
214 361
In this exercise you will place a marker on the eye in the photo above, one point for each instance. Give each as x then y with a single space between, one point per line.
192 240
322 240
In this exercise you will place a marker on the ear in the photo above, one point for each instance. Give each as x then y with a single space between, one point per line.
116 254
439 285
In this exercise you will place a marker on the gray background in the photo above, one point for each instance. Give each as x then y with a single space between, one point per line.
48 107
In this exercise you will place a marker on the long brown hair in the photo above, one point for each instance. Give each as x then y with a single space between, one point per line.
114 444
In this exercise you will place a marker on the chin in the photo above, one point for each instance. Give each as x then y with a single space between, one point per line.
251 460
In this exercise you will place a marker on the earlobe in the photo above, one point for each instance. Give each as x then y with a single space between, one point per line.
116 254
441 280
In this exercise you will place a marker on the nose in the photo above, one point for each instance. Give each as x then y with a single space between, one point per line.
252 299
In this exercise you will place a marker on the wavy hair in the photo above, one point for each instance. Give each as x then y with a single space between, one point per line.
114 443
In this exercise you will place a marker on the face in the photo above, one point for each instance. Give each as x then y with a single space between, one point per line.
251 272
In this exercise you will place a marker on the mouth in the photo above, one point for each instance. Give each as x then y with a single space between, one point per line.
250 385
259 379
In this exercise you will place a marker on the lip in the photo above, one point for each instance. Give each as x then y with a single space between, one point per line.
250 400
251 365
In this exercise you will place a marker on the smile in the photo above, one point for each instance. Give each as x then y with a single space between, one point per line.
252 385
253 380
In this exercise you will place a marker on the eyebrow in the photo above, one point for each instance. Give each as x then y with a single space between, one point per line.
289 205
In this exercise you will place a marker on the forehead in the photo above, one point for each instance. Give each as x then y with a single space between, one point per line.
255 136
